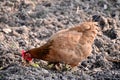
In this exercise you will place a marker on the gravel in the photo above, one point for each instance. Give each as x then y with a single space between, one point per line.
25 24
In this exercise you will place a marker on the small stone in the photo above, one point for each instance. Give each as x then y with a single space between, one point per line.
112 33
84 63
104 23
1 36
15 33
12 56
8 3
20 31
96 18
118 32
46 22
85 76
7 30
97 69
118 1
45 71
105 6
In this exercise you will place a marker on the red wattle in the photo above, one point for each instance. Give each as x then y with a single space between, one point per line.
24 55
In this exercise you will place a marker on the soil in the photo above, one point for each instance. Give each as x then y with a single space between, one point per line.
25 24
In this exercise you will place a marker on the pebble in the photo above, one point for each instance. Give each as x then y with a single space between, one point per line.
45 71
1 36
118 1
7 30
105 6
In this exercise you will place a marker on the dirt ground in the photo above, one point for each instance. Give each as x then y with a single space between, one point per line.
29 23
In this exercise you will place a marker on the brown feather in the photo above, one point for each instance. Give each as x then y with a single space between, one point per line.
69 46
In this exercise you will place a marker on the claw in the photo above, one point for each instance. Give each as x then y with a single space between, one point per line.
66 67
62 67
58 67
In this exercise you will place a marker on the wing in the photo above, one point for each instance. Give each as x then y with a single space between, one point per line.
63 46
65 39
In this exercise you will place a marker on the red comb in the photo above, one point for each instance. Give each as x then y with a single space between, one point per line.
24 56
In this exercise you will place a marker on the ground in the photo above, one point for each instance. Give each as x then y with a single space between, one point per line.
30 23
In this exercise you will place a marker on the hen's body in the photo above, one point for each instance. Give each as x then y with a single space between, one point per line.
68 46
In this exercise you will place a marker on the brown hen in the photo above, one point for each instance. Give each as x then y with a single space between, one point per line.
69 46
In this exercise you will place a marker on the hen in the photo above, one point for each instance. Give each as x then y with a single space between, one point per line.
69 46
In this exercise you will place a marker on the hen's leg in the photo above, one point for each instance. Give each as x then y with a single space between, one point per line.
55 65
